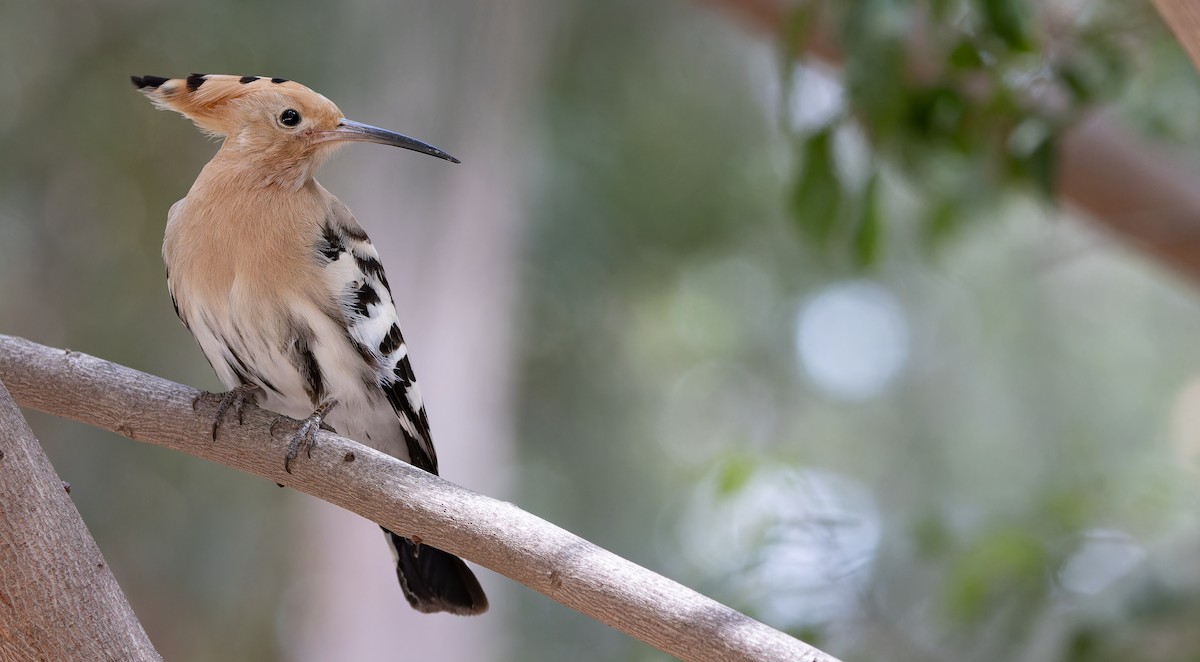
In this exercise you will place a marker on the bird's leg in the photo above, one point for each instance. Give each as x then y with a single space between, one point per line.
306 436
235 397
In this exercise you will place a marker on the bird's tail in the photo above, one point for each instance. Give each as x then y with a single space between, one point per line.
434 580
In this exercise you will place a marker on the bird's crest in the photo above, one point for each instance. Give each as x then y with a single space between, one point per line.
206 99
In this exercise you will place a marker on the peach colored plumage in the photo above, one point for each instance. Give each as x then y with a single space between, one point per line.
286 296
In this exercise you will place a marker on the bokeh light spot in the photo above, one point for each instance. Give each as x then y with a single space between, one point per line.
852 339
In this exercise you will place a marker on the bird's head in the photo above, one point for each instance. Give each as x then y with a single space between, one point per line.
280 125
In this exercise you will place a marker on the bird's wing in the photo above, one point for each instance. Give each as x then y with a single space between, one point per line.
357 278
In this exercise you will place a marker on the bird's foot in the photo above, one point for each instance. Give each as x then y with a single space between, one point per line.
235 398
306 435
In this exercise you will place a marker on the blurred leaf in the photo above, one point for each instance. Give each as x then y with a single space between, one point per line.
965 55
1001 564
1032 155
936 112
1042 166
876 84
876 74
734 473
939 224
795 32
867 239
817 196
1008 20
1094 69
1082 645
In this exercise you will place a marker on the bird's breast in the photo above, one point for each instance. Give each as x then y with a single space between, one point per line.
244 280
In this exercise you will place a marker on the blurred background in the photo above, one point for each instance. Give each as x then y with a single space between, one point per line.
864 318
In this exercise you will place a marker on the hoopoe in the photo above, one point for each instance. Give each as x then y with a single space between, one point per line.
286 296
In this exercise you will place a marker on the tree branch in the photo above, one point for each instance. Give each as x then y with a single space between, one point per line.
1183 17
58 598
492 533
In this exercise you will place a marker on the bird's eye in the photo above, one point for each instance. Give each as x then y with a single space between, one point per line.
289 117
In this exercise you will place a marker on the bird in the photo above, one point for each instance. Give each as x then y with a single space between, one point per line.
287 297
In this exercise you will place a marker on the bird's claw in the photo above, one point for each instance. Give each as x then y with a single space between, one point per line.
306 435
235 398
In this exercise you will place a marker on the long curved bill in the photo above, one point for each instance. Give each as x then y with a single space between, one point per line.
351 131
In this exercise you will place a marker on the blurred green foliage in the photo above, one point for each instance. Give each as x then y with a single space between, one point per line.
960 101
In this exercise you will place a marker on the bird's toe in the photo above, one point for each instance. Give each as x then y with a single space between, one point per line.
235 399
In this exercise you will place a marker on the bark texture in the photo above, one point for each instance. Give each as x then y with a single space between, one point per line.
58 598
492 533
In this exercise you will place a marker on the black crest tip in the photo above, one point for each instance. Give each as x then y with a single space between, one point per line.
279 80
194 81
142 82
247 79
